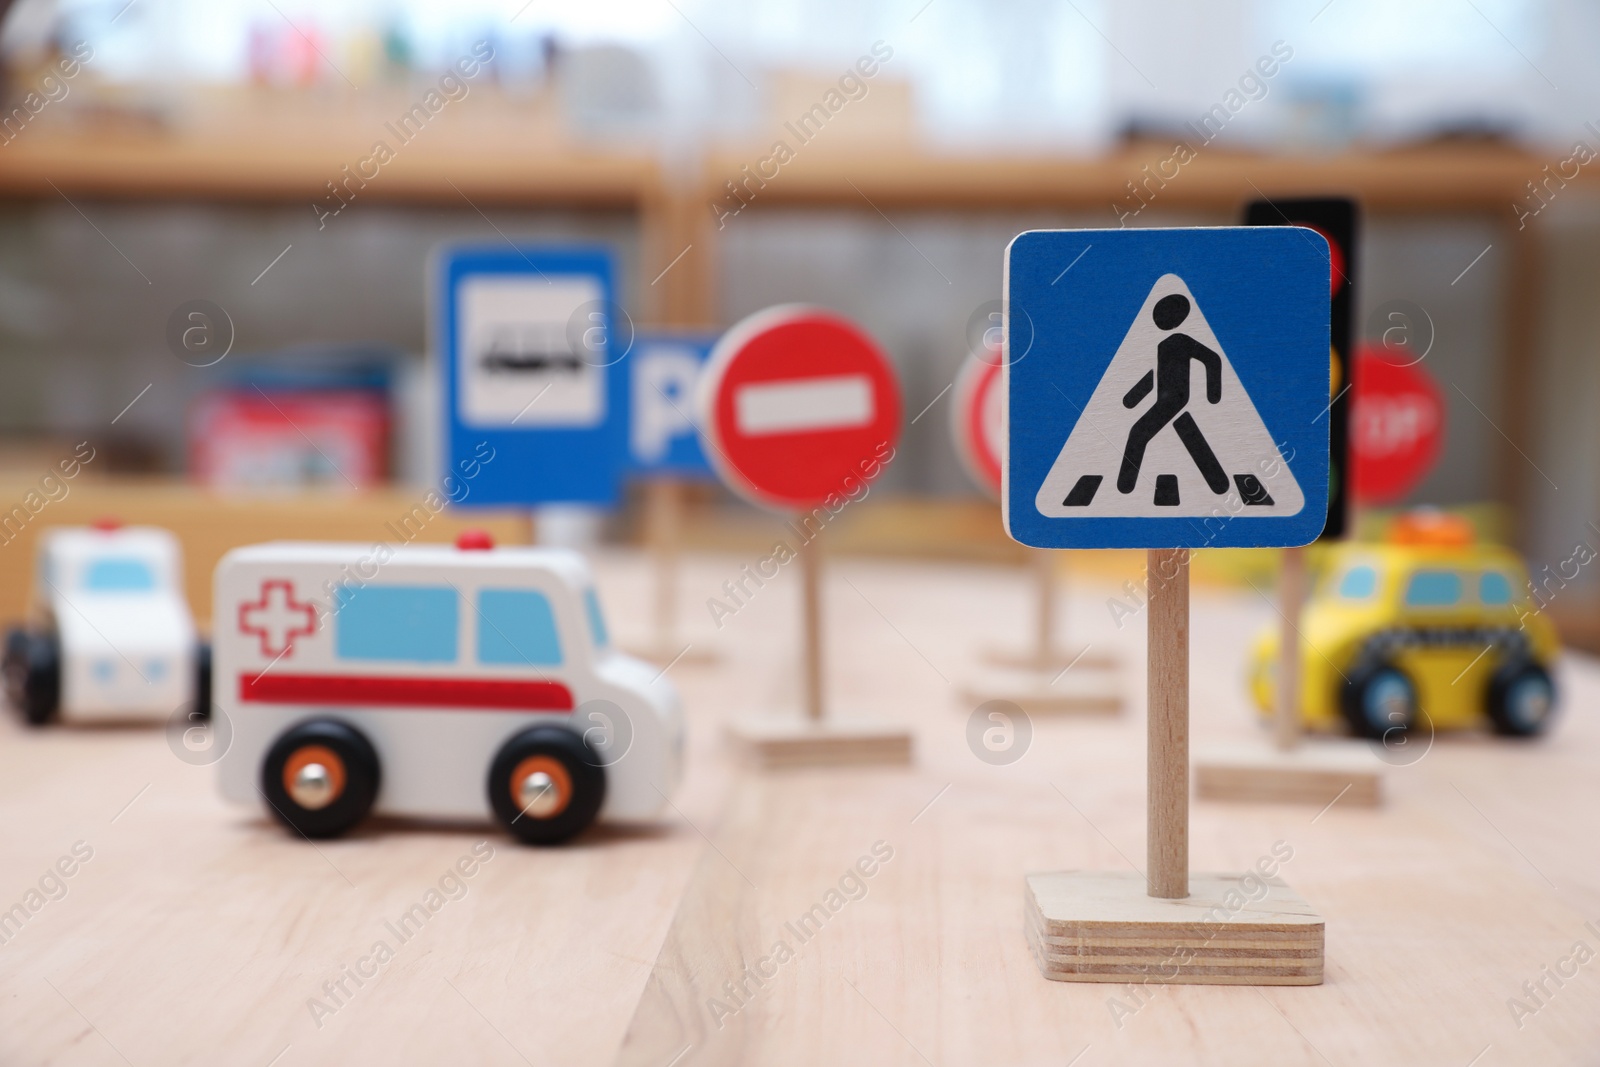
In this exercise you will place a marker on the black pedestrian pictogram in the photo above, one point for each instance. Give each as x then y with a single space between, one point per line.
1170 380
1219 455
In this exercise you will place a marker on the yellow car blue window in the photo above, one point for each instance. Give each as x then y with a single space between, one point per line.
1433 589
1494 588
1358 583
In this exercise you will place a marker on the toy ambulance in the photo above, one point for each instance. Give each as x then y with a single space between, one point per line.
110 635
1429 626
437 682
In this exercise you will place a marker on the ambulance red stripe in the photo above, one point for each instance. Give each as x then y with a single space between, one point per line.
377 691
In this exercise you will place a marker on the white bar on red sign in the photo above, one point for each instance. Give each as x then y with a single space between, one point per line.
799 405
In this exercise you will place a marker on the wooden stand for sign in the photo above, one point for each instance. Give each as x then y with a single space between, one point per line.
1048 679
1088 926
663 503
814 737
1287 771
1223 929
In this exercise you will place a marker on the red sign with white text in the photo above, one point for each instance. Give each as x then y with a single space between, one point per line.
798 405
1398 427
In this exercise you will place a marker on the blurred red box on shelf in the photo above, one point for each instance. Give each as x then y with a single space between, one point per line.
250 439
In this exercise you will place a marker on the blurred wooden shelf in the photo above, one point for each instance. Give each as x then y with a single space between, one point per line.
1415 179
278 145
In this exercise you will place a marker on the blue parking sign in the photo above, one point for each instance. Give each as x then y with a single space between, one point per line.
663 440
1166 388
530 369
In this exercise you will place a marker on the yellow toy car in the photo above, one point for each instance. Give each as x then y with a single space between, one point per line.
1427 627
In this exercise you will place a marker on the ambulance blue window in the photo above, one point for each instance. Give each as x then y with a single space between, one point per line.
1433 589
400 623
516 626
1358 583
1494 588
118 574
597 620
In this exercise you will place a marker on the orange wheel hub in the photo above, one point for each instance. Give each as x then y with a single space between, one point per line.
541 788
314 776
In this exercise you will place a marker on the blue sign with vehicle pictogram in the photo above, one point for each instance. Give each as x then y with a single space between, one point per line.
530 365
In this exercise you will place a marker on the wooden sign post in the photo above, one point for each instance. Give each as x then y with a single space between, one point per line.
664 452
1291 600
1167 782
1286 771
1046 677
1140 456
802 412
663 520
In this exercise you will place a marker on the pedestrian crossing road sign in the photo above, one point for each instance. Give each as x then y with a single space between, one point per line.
1172 391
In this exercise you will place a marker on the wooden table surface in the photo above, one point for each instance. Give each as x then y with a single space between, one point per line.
198 933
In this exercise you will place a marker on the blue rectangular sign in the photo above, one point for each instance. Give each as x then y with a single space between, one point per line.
663 441
1166 388
528 367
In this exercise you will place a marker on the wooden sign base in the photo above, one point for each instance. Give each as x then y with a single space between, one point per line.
1094 926
1312 772
798 741
1053 660
1037 693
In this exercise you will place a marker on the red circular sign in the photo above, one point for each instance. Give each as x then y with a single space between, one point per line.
977 416
799 406
1397 427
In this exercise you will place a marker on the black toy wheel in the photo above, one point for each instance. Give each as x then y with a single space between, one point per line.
546 785
320 777
1522 699
202 679
33 674
1380 702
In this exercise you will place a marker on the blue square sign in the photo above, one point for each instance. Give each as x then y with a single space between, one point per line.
1166 388
663 440
530 371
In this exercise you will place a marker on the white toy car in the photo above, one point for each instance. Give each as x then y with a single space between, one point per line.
437 682
110 635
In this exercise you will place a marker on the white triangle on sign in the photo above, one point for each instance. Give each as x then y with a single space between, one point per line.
1200 458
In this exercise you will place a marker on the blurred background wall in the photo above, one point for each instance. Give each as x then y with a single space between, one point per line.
199 152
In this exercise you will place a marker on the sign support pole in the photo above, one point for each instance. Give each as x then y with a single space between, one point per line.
1291 600
1167 575
811 626
1044 624
664 508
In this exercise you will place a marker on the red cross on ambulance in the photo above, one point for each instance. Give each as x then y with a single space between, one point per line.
278 618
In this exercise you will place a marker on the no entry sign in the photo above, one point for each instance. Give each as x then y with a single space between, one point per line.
798 405
1399 427
978 418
